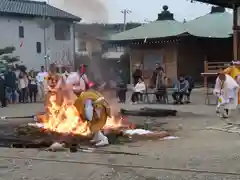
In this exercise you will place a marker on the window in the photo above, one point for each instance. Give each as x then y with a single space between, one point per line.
21 31
62 31
39 47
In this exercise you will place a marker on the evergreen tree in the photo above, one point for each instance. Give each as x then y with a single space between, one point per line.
5 56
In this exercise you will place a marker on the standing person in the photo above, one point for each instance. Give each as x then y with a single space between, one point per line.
79 80
32 86
40 82
234 72
190 88
137 74
159 82
3 91
11 84
225 90
23 85
52 84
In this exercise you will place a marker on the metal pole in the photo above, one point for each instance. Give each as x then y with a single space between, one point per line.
45 48
124 19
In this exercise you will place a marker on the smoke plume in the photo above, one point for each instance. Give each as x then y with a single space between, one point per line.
88 10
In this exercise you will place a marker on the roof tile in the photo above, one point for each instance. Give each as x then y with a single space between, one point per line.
34 8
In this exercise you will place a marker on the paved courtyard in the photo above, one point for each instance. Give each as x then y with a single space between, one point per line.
200 153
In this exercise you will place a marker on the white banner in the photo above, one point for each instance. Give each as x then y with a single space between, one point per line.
238 16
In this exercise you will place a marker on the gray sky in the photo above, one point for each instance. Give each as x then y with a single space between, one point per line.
141 10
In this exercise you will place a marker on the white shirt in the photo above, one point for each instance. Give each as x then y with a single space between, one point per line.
41 76
140 87
78 81
23 82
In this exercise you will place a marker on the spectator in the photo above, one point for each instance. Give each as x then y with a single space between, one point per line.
181 90
32 86
10 81
3 91
191 86
121 91
137 74
40 82
159 82
139 89
22 85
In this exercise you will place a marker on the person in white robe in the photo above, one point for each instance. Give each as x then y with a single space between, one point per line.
80 82
225 90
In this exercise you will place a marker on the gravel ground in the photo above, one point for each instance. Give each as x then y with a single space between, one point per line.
198 154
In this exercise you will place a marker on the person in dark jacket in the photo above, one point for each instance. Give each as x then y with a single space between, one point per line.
191 86
137 74
181 90
11 80
3 91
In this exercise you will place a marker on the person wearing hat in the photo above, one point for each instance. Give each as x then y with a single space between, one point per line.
225 90
234 72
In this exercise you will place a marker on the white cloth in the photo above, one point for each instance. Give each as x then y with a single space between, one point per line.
41 77
77 81
23 82
226 92
140 87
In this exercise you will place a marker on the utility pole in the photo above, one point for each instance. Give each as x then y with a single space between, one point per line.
125 13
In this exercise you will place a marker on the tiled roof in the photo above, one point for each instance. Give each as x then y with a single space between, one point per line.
217 24
34 8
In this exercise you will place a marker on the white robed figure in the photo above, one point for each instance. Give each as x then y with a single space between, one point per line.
79 82
225 90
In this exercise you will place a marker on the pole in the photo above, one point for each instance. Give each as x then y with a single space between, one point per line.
125 12
235 33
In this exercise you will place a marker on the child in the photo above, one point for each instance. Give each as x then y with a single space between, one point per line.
139 89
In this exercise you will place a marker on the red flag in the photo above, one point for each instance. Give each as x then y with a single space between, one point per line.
21 44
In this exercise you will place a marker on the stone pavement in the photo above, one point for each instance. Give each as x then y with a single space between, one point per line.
200 153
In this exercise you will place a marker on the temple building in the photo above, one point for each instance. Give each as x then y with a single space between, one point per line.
180 47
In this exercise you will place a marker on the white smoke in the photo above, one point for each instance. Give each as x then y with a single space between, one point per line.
88 10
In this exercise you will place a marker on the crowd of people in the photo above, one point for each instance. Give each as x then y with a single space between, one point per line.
17 85
158 86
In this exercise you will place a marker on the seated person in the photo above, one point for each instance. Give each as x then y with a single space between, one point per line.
190 88
181 90
121 92
138 90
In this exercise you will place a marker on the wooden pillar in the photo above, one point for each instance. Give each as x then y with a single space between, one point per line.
236 53
205 71
131 67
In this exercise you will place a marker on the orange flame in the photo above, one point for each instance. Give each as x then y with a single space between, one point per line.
66 119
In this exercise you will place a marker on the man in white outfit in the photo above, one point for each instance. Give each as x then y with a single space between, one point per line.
80 83
40 82
225 90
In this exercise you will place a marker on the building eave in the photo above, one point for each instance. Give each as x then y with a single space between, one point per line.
6 14
224 3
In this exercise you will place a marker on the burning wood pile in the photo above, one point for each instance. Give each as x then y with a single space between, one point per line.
67 124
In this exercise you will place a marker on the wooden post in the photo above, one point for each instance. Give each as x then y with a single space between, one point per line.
205 76
235 32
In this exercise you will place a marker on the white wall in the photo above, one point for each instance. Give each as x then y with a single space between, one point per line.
9 36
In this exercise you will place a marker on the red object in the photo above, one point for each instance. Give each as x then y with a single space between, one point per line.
21 44
90 84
